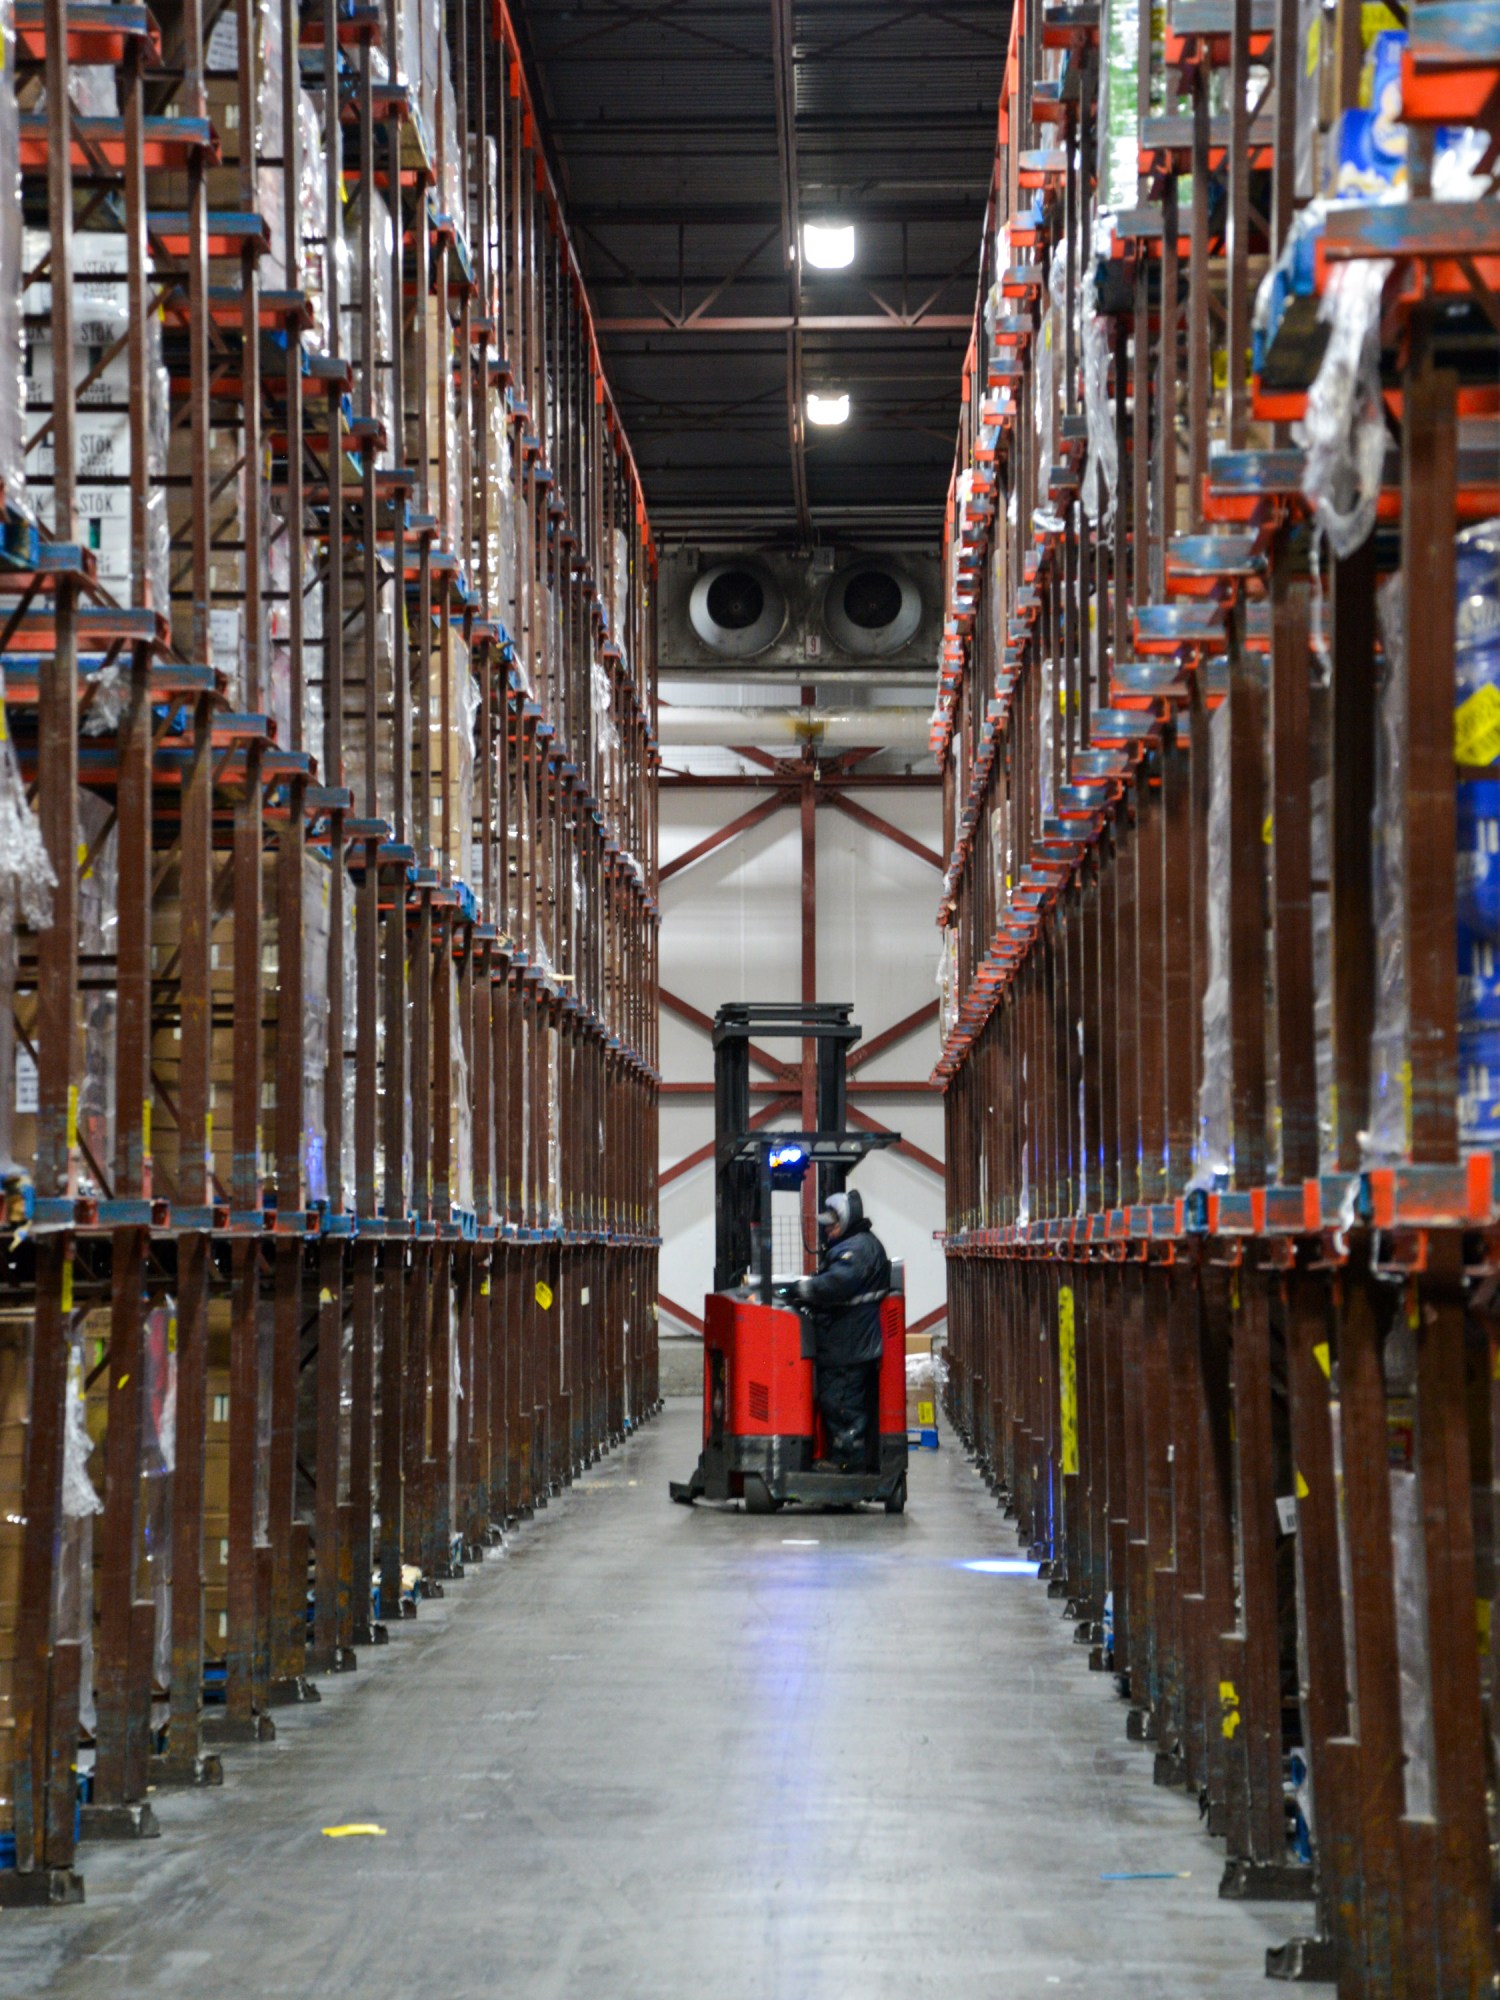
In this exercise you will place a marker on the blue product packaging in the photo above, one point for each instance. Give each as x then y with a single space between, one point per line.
1368 155
1476 728
1478 861
1479 1086
1478 980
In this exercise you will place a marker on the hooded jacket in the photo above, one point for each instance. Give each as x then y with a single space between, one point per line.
844 1296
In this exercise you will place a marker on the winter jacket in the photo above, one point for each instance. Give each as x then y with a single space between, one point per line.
844 1297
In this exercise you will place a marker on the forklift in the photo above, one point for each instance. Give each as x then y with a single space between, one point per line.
762 1433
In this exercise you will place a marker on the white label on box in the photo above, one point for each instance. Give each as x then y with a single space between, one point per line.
224 639
100 259
26 1090
1286 1513
223 51
105 504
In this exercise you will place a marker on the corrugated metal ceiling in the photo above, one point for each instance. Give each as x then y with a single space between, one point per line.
661 118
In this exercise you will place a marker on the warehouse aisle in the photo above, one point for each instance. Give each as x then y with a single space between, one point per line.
654 1754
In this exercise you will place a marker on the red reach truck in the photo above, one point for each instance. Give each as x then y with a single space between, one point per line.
762 1434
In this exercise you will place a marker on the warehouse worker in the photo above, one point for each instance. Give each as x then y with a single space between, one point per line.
843 1298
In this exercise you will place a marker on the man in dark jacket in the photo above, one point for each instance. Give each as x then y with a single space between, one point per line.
843 1298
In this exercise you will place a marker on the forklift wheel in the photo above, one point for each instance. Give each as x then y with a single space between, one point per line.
895 1503
758 1496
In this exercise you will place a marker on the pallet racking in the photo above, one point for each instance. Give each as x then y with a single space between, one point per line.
1219 1249
328 644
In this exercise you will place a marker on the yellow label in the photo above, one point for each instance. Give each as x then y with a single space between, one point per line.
1267 830
1234 1293
172 1334
1314 44
351 1831
123 1380
1068 1373
4 728
67 1285
1303 1489
146 1127
1323 1359
1476 727
1482 1621
484 1289
1229 1702
926 1414
543 1294
208 1137
72 1116
325 1297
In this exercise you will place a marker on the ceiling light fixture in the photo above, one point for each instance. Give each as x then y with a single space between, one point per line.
828 246
827 409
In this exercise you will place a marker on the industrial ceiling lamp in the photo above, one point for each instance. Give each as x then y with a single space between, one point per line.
828 246
827 409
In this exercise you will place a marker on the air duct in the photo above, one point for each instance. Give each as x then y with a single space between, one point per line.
790 728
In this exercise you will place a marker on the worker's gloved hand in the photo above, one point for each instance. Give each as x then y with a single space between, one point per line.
803 1288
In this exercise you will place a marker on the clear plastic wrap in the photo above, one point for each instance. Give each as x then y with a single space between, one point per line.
501 517
947 982
1409 1559
26 874
1322 946
265 1352
1213 1154
98 930
158 1462
12 268
606 735
619 609
102 500
349 941
554 1130
377 396
74 1582
79 1499
1410 1570
1309 41
1103 460
463 1110
1049 694
222 59
1344 430
1048 360
1119 140
312 199
314 1029
1388 1137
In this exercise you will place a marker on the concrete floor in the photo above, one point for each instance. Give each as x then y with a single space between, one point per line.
653 1754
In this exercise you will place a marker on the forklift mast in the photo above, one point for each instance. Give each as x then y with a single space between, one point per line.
744 1172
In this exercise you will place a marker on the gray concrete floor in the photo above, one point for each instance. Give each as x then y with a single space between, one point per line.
654 1754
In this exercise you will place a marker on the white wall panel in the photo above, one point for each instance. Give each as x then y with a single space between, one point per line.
731 930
